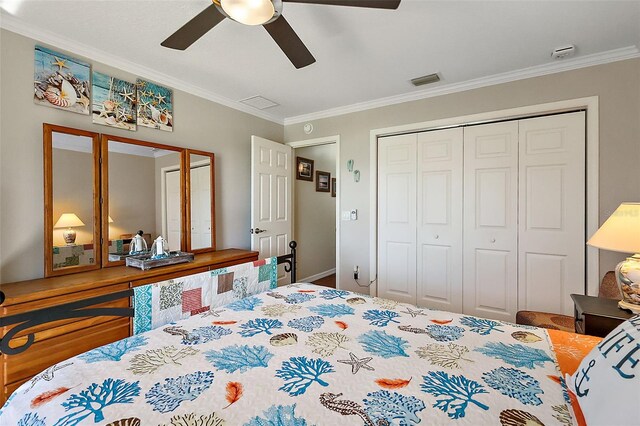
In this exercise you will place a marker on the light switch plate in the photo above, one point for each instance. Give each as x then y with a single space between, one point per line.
346 215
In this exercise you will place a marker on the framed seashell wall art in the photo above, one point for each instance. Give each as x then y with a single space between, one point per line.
155 106
61 81
114 102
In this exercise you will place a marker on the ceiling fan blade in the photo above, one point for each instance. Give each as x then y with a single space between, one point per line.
376 4
289 42
190 32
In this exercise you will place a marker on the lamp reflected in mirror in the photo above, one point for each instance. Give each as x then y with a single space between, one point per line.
69 221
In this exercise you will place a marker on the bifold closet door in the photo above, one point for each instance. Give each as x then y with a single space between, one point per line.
439 219
397 218
491 220
552 212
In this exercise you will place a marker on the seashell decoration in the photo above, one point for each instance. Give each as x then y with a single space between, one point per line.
111 121
54 96
356 301
109 105
284 339
525 336
518 418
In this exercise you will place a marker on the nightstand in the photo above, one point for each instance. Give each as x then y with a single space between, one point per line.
597 316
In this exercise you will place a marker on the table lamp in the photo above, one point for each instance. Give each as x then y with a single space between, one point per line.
69 220
621 232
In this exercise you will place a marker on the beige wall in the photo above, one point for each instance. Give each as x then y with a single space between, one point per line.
199 124
132 194
315 215
171 161
617 85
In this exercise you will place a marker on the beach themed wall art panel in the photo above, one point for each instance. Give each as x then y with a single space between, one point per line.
155 106
114 102
61 81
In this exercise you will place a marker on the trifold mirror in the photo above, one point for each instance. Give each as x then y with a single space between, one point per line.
71 200
101 191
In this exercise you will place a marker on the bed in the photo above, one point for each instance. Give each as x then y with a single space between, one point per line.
307 355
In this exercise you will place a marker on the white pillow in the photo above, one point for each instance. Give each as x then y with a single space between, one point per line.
607 383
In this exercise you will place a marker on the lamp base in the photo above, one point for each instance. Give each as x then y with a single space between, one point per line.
628 278
69 236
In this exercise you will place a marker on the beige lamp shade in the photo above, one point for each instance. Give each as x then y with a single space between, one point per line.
109 219
621 232
68 220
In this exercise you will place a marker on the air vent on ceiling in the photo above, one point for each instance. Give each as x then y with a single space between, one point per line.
425 79
563 52
259 102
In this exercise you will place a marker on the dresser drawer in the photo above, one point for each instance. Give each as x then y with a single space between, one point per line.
47 352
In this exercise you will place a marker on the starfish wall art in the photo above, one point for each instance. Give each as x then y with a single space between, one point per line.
155 106
60 81
114 102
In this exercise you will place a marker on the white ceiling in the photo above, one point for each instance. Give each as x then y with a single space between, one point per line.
362 55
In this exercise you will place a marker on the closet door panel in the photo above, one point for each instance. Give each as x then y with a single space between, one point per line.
397 218
439 219
491 220
552 212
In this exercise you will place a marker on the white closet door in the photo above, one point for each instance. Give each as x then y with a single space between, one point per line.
439 220
552 212
397 218
200 207
491 220
172 199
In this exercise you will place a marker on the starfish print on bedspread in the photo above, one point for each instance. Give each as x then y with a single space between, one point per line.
357 363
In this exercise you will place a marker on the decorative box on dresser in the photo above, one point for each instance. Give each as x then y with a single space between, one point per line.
59 340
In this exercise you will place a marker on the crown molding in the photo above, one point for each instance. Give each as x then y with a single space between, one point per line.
18 26
621 54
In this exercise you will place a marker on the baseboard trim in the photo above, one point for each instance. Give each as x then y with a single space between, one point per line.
315 277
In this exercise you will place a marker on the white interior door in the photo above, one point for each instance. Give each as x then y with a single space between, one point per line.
172 199
552 212
439 220
200 207
491 220
397 217
271 206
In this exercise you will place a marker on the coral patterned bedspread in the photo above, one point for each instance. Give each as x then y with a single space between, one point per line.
306 355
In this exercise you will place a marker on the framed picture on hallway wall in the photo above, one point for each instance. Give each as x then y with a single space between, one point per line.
333 187
304 169
323 181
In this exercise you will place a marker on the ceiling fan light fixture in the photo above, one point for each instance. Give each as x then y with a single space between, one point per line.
249 12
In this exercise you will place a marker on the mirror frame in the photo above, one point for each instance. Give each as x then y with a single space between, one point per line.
47 139
188 199
104 174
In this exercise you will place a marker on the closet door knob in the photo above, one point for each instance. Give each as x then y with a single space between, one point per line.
493 240
436 236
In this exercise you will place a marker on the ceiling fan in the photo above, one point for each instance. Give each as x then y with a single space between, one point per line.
267 13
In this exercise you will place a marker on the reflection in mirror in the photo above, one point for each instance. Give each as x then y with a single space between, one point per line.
70 200
200 184
144 195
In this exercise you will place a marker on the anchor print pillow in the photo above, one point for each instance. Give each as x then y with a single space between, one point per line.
607 382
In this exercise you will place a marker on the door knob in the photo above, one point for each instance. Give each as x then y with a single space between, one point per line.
257 231
493 240
436 236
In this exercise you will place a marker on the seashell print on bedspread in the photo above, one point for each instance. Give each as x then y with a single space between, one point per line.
307 355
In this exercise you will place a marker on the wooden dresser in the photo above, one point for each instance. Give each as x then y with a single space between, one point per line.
59 340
